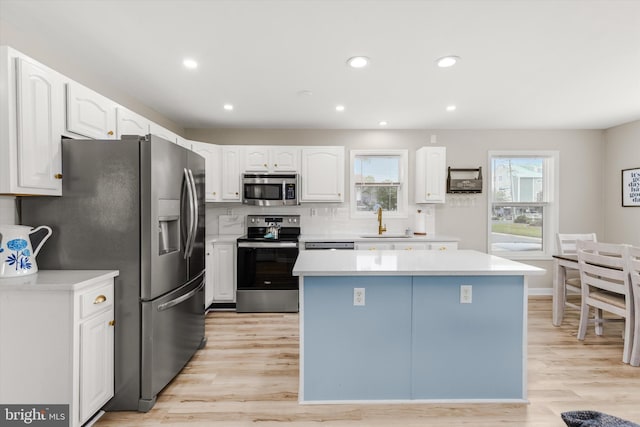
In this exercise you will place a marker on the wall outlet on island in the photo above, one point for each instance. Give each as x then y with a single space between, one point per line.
465 294
358 296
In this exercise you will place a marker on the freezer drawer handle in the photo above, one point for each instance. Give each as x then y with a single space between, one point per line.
183 298
99 299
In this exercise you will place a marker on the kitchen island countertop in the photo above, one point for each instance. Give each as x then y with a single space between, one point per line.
408 263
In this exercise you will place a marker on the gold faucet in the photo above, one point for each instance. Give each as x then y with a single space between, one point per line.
381 228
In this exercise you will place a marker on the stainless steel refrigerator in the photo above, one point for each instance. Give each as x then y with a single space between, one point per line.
135 205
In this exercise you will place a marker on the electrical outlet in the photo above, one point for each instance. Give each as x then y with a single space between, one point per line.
358 296
465 294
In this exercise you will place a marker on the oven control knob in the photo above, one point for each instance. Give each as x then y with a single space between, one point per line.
253 220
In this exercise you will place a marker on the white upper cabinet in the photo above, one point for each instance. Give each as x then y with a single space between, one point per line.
130 123
185 143
322 174
213 173
264 158
230 179
31 124
90 114
158 130
431 175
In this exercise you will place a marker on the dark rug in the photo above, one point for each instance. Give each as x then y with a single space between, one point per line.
594 419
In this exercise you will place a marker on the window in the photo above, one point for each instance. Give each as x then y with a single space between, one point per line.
378 179
523 208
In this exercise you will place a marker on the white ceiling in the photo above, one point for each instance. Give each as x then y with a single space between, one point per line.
545 64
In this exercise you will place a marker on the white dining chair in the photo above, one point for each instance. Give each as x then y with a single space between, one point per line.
604 275
633 264
566 245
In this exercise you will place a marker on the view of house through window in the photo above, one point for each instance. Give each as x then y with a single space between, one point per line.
519 203
376 182
378 178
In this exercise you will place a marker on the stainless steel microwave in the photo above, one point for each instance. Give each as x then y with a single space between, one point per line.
270 189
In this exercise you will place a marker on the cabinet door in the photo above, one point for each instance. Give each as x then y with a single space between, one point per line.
374 246
158 130
323 174
256 159
130 123
96 363
89 113
230 173
284 159
431 175
209 276
213 174
443 246
224 265
410 246
39 120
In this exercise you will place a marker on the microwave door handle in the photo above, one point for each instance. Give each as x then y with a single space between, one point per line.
284 193
194 222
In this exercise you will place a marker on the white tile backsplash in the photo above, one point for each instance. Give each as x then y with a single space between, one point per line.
7 210
318 218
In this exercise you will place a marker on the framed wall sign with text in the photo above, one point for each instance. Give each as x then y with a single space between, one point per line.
631 187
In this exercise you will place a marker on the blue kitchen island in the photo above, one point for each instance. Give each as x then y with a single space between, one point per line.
404 326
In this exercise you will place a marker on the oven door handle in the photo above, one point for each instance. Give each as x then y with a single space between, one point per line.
267 244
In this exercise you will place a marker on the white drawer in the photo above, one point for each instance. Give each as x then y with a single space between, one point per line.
96 299
443 246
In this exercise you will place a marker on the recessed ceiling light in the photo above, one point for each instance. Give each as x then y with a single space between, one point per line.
228 107
190 64
382 123
305 93
339 107
451 107
447 61
358 61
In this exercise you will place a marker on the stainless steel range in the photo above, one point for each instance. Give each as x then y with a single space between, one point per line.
266 256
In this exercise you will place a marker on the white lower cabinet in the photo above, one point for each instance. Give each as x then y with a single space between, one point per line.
382 245
221 273
373 246
443 246
57 335
411 246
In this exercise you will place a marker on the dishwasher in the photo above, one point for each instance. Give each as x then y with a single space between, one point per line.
328 245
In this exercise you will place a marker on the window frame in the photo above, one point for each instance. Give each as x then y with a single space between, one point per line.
403 193
550 204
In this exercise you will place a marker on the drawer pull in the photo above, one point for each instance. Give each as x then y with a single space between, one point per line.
99 299
112 323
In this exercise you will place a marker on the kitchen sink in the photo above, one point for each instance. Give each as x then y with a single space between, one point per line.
385 236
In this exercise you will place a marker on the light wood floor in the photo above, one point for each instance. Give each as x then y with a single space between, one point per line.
248 376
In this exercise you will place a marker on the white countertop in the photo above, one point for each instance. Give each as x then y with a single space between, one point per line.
359 238
408 263
221 238
57 280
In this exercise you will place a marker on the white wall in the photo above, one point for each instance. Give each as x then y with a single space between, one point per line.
581 172
7 210
622 151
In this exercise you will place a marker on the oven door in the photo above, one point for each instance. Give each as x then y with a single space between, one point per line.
266 265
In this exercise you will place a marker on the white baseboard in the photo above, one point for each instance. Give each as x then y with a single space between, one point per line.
540 292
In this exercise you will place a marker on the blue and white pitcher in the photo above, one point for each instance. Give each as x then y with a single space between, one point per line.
17 257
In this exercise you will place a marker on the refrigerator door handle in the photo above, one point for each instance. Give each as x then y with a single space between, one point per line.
184 237
189 230
194 222
181 299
